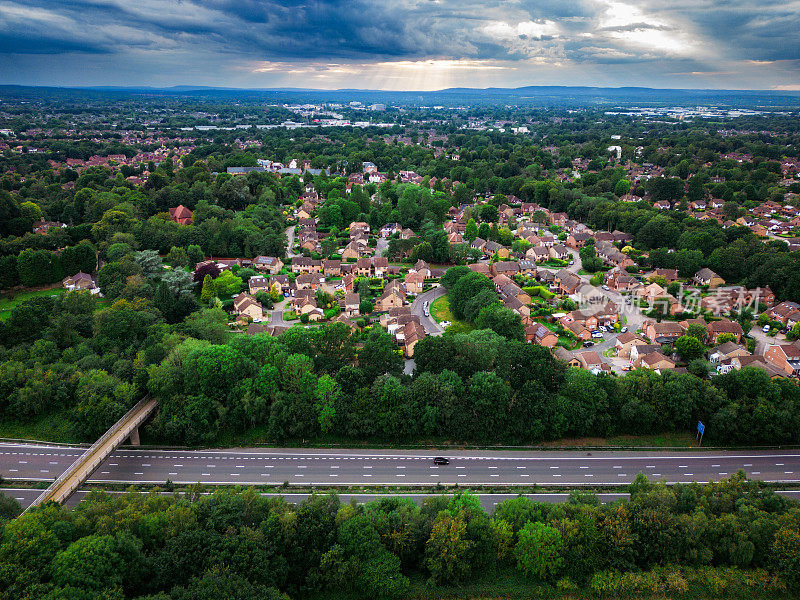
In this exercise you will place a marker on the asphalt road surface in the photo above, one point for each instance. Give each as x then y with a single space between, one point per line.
418 308
399 468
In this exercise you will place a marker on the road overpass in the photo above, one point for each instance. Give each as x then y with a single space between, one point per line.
74 475
305 467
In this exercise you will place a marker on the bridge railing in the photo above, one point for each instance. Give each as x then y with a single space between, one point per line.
65 484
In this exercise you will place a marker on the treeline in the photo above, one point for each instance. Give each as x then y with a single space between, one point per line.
61 355
322 383
730 539
39 267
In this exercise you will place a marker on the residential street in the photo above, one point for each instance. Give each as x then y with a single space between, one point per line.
417 308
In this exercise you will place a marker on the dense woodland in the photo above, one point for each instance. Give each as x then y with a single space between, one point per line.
731 539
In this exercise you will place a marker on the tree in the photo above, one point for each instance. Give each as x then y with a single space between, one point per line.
365 307
227 285
471 231
725 337
149 262
209 290
206 269
448 548
502 321
539 550
689 347
380 355
696 330
177 257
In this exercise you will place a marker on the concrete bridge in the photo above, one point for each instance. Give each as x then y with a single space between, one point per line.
77 474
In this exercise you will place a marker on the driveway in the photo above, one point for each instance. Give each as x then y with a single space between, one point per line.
382 246
417 308
763 340
290 242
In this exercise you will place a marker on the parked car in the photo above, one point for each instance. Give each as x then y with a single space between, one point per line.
572 262
588 344
624 329
597 334
441 460
606 288
765 329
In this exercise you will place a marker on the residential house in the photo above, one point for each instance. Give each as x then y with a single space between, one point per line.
380 265
577 240
706 276
79 281
332 268
655 361
413 332
269 264
422 268
393 296
350 304
507 268
283 283
42 227
527 268
665 332
301 264
590 360
309 281
567 282
559 251
784 311
717 328
563 354
759 362
414 282
722 355
363 267
482 268
579 330
624 343
669 275
244 305
785 357
256 328
637 351
540 335
181 215
538 253
258 283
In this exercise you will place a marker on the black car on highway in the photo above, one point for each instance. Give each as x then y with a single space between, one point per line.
441 460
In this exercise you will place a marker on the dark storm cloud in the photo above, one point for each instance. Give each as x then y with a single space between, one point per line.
159 35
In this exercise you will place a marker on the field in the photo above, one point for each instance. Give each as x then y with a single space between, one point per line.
8 304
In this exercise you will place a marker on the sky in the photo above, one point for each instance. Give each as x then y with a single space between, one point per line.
401 44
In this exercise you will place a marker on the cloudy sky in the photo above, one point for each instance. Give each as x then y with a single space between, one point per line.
402 44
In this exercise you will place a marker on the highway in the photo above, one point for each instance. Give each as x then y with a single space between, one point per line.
306 467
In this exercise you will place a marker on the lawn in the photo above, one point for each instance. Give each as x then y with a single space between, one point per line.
440 310
8 304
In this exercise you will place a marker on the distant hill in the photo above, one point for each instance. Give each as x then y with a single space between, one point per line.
527 95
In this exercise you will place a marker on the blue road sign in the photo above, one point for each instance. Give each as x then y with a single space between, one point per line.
700 427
